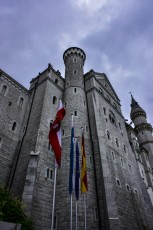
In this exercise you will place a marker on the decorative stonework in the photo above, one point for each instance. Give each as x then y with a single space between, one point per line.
143 127
136 114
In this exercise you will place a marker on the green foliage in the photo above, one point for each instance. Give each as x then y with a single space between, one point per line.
12 210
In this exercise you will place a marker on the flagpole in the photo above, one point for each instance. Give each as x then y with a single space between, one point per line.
85 216
71 192
54 191
76 215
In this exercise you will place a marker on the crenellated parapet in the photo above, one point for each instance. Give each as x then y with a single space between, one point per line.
74 51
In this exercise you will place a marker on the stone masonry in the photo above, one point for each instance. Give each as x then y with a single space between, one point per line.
119 157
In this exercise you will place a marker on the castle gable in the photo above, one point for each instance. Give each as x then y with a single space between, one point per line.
103 80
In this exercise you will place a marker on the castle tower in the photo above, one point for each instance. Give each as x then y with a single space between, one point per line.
75 103
144 134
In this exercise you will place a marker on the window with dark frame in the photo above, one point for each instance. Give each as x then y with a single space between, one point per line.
14 126
4 88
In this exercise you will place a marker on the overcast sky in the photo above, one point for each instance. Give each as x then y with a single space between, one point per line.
116 35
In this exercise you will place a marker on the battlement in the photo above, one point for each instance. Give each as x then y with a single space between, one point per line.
72 51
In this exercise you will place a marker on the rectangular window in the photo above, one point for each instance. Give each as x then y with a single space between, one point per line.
75 113
75 90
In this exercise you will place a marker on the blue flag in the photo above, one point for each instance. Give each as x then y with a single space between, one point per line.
71 161
77 173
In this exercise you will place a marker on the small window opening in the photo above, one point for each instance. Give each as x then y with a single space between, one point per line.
14 126
75 71
65 104
86 128
4 90
63 133
108 135
51 174
21 102
104 109
75 113
127 187
118 182
119 125
56 81
122 163
54 100
124 147
84 103
135 191
75 90
47 173
117 143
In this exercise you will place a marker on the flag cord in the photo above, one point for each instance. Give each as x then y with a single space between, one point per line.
54 191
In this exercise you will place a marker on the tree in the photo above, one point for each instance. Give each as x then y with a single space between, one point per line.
12 210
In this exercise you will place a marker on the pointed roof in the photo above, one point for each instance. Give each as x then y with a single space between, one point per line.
135 108
134 103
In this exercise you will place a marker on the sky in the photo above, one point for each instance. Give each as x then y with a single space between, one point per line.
116 35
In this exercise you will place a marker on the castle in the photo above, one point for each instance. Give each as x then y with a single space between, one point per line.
119 157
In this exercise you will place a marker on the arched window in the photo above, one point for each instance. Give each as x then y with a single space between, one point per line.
54 100
4 88
117 143
108 135
21 102
14 126
112 117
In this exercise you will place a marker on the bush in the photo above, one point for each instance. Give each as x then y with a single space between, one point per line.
12 210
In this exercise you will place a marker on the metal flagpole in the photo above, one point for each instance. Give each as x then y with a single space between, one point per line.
53 209
71 212
72 186
76 215
85 216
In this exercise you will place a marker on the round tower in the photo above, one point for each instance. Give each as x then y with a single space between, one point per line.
143 128
76 105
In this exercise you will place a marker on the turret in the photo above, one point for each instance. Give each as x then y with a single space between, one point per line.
75 103
144 134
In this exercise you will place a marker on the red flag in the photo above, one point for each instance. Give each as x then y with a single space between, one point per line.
55 133
84 184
